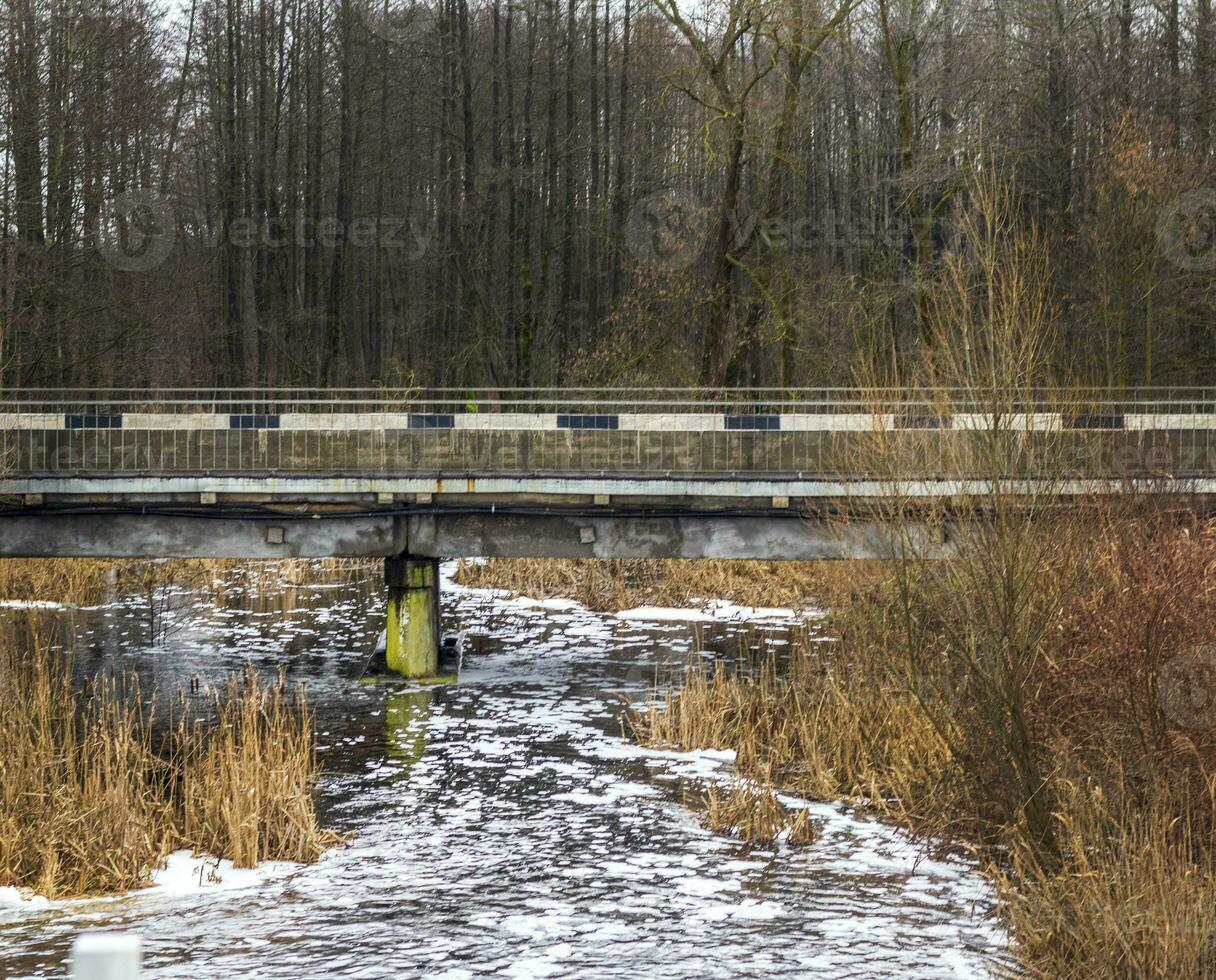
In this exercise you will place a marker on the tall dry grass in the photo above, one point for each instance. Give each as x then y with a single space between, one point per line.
247 775
92 797
610 585
817 725
80 808
755 814
1016 696
1132 891
79 581
1134 894
88 581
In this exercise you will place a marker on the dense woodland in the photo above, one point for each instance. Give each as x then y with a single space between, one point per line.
524 192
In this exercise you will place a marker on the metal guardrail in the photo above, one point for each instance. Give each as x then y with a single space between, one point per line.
1167 400
534 432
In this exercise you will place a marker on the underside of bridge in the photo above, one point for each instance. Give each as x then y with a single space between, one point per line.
463 531
411 536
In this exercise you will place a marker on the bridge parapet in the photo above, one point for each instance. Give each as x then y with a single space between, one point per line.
826 434
414 476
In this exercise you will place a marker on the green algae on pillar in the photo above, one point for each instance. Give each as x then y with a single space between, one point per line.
412 629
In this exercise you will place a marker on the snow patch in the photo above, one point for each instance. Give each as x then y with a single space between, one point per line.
182 873
664 614
186 873
21 898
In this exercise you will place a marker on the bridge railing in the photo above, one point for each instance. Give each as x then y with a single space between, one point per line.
601 400
697 433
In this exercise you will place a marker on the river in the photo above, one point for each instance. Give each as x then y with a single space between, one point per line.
500 826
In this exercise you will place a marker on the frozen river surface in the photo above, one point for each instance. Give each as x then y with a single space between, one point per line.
502 826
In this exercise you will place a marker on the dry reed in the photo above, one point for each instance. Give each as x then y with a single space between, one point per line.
247 778
753 813
91 801
818 726
88 581
79 581
1134 894
80 812
610 585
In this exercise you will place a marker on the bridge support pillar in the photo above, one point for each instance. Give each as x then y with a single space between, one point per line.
412 627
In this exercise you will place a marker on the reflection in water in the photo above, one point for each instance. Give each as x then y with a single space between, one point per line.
406 714
501 826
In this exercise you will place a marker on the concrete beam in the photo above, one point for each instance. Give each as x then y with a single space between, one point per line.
50 535
435 534
790 538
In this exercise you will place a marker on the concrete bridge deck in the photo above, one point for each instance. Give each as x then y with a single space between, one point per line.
414 476
594 473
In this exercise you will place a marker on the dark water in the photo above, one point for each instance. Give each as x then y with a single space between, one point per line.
500 826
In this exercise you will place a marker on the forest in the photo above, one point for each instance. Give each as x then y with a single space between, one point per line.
591 192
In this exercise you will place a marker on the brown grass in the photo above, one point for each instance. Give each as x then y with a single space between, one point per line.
90 802
247 779
91 799
818 726
754 814
79 810
610 585
80 581
1135 895
87 581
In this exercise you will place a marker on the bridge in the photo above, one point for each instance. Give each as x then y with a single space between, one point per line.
412 476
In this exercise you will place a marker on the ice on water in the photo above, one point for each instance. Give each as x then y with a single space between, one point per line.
503 826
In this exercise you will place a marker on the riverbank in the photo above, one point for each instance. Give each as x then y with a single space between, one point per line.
1081 774
51 582
1116 877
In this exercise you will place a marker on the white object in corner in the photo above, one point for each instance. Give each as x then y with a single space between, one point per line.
106 956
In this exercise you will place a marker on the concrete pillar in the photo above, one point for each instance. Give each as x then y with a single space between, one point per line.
412 629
